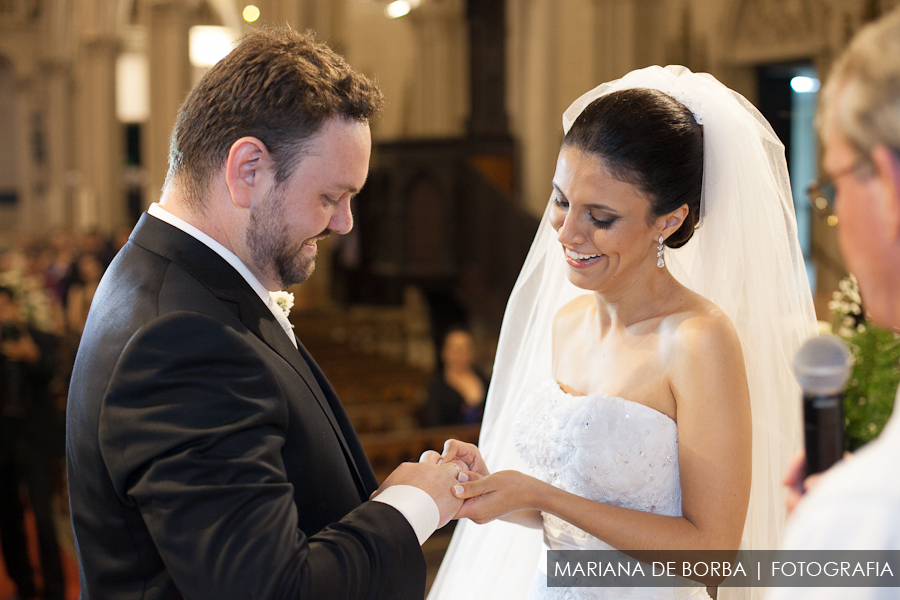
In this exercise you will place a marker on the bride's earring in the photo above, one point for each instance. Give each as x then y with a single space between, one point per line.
659 251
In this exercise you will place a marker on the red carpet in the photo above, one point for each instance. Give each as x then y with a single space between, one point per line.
69 564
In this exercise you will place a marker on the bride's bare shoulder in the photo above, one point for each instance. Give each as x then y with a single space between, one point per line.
573 312
702 329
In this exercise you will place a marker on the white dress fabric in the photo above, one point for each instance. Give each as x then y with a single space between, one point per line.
608 449
744 257
600 447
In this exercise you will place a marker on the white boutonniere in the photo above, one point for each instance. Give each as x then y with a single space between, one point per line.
285 301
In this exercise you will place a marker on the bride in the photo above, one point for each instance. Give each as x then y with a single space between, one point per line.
657 411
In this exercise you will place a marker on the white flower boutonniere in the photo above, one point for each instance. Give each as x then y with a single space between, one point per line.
285 301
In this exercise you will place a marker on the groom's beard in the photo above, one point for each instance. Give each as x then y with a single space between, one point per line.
271 248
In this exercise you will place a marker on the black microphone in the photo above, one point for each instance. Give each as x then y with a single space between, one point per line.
822 367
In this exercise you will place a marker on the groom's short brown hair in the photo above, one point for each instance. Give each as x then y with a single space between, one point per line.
277 85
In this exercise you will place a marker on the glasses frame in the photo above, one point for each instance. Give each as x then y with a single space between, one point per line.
823 188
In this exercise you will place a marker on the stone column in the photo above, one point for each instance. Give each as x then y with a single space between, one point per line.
487 65
615 38
534 79
58 125
170 81
439 104
100 200
28 210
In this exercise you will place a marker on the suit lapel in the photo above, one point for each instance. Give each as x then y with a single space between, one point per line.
225 283
359 458
270 331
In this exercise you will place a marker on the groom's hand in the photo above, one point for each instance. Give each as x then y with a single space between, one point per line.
435 480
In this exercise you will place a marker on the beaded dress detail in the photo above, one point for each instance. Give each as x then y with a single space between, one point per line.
607 449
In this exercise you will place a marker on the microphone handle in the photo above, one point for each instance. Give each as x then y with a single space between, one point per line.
823 425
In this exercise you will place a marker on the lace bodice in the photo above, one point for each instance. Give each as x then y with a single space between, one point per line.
600 447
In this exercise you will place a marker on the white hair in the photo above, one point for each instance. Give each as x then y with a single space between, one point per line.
864 87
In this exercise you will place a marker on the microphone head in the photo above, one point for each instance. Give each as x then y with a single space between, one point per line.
822 365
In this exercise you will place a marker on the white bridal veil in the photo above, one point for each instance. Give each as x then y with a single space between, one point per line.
744 256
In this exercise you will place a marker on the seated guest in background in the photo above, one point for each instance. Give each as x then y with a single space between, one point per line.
457 391
854 505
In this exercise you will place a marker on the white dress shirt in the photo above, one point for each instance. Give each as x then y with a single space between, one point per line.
414 503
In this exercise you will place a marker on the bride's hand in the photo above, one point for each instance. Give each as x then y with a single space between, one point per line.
467 453
493 496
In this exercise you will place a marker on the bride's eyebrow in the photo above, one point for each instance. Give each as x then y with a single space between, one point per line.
609 209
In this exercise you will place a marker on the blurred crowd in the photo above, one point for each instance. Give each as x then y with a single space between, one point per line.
54 276
46 287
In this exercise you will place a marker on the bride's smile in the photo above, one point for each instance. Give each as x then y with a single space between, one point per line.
578 260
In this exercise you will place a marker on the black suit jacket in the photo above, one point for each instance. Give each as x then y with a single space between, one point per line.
208 457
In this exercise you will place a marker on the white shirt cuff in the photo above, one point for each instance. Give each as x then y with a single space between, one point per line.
416 505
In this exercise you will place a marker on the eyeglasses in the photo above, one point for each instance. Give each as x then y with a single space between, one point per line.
821 192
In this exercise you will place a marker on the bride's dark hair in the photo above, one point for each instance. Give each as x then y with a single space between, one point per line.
646 138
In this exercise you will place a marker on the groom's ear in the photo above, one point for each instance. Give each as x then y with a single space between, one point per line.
247 171
670 222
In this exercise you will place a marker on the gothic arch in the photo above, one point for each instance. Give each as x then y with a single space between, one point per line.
764 31
761 31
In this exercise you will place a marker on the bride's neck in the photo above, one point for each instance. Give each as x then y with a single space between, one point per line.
644 299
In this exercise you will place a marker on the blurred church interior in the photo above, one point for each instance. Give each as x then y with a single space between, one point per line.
462 160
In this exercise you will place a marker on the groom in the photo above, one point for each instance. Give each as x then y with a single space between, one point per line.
208 456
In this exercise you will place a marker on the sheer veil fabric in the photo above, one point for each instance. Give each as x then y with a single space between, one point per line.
744 256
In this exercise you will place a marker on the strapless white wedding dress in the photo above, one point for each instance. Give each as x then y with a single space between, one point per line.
607 449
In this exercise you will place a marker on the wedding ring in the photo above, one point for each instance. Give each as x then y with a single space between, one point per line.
457 469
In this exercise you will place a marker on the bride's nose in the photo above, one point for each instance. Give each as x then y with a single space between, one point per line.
568 232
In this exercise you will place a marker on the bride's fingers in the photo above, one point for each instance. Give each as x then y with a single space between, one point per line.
457 449
468 476
471 488
468 453
479 509
456 468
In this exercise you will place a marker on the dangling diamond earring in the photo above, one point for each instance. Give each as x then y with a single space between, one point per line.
659 251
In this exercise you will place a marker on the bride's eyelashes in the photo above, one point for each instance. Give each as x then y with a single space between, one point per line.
602 224
598 223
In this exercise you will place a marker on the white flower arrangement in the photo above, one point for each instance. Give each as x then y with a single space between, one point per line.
869 397
846 305
36 306
285 301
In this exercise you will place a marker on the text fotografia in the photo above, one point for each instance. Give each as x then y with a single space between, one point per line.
786 568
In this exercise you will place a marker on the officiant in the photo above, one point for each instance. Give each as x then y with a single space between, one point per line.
854 505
